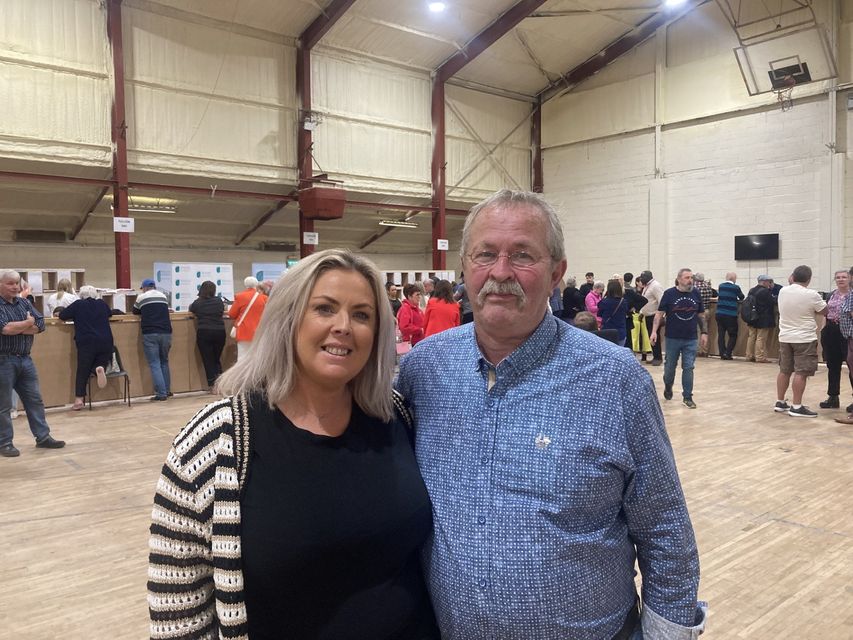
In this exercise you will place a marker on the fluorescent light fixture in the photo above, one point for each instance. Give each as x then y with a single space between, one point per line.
150 208
398 223
437 7
671 4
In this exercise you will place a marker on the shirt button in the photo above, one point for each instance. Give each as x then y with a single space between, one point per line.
482 582
485 459
481 519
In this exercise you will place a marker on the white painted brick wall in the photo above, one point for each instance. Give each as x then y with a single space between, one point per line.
755 172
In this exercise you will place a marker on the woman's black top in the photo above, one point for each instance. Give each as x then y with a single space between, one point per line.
91 318
209 313
331 532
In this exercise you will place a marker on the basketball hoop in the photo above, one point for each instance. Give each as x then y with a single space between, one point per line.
784 93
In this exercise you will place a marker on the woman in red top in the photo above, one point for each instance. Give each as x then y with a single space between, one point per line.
410 318
442 311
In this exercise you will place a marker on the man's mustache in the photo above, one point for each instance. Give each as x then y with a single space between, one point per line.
508 287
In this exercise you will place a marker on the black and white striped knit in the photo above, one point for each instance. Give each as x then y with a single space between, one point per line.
195 577
195 581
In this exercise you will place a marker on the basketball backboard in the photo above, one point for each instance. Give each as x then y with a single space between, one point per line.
795 58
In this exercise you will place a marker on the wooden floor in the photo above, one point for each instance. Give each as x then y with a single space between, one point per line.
771 499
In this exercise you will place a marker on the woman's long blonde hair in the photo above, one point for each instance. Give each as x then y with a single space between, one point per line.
270 365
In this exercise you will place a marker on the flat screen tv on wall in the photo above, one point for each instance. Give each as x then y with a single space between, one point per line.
763 246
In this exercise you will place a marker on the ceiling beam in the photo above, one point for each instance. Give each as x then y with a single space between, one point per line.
315 31
615 50
81 223
487 37
278 206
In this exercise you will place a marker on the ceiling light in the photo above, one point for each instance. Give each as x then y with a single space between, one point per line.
398 223
150 208
437 7
671 4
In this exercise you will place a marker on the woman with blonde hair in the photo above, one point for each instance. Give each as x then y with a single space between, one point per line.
294 508
63 297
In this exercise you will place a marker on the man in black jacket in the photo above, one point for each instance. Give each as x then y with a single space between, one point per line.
759 331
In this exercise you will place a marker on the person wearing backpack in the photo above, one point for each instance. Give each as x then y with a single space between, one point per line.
757 312
728 295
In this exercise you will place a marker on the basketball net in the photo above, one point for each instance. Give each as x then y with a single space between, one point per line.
784 94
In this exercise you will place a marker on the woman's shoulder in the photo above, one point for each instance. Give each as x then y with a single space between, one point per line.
207 426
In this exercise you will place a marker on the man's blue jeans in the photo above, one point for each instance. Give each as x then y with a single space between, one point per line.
156 347
19 373
686 348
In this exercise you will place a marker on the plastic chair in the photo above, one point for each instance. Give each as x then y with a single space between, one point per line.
114 370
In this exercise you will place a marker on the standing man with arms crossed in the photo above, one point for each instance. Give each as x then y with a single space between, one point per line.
798 306
19 322
546 458
684 311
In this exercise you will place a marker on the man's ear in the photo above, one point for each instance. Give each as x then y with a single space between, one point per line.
559 272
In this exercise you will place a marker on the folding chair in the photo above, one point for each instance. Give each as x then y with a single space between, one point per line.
114 370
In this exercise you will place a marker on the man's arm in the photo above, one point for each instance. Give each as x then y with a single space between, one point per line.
655 326
657 518
27 326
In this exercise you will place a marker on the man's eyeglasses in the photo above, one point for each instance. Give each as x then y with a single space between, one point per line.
516 259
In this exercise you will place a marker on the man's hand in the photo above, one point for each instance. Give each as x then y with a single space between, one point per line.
654 337
703 340
29 320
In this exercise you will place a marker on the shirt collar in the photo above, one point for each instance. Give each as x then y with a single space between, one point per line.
15 300
528 352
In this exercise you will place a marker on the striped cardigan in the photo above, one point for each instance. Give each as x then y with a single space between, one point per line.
195 576
195 579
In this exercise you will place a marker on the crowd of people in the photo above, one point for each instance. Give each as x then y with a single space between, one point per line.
506 484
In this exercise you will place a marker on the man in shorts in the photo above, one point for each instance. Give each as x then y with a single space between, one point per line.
798 307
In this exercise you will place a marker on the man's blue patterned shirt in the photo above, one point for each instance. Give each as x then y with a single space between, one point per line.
549 476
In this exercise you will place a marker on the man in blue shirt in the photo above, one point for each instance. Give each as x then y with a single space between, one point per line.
682 306
728 296
546 458
19 322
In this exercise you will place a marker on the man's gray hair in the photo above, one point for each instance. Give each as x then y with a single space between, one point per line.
270 365
251 282
684 270
507 198
571 281
698 276
9 273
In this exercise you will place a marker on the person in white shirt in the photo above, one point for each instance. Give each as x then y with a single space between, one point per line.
798 307
652 291
63 297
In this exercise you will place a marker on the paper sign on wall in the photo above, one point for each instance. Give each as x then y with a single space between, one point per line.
123 225
310 237
442 245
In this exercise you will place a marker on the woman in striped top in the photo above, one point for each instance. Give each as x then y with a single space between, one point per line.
294 507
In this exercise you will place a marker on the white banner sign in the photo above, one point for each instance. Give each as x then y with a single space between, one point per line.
123 225
311 237
442 245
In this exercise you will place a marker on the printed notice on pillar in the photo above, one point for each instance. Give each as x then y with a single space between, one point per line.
123 225
442 245
310 237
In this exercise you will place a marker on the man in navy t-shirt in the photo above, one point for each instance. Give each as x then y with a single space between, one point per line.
683 308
